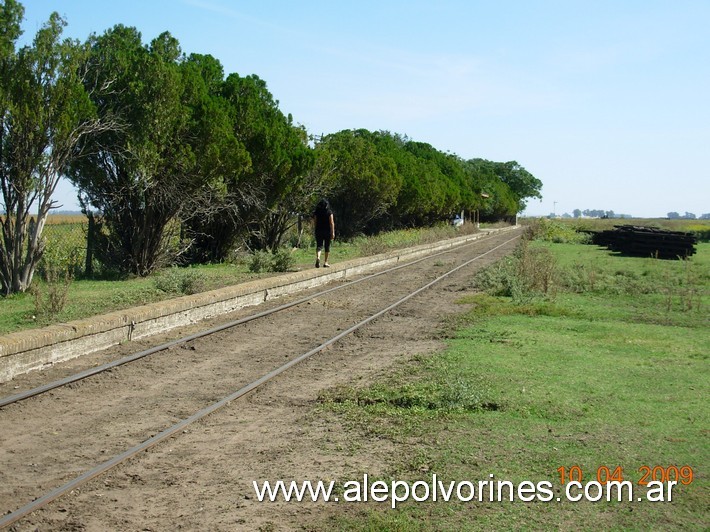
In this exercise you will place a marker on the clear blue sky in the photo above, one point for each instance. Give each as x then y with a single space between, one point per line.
606 102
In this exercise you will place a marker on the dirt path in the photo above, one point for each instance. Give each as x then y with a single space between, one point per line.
202 479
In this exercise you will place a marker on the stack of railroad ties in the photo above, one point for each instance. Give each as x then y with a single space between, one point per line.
647 242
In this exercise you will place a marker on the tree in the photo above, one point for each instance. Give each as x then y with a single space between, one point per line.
594 213
522 183
447 174
366 182
498 201
217 212
174 150
280 159
45 114
293 187
262 202
422 195
422 198
577 213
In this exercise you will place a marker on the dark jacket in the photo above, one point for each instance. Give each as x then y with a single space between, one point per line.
322 215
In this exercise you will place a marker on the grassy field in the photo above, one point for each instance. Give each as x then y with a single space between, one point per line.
603 365
64 300
701 228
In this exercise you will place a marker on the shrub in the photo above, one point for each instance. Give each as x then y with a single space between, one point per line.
536 271
495 280
282 260
373 245
263 261
527 274
180 281
50 296
553 231
260 262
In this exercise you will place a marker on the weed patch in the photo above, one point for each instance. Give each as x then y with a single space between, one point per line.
548 230
283 260
50 295
529 274
264 261
447 394
373 245
176 280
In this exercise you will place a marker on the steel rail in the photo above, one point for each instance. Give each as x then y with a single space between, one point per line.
21 396
85 477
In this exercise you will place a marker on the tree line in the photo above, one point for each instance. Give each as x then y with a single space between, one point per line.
600 213
173 158
596 213
687 216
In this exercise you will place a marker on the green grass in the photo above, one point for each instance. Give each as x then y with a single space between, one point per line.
66 242
644 290
597 375
701 228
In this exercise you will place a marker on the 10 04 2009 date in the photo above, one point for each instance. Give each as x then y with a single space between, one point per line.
679 474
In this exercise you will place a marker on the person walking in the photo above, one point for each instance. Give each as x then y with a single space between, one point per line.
325 230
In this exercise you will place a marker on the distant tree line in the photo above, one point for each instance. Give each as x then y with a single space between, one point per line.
596 213
173 158
599 213
687 216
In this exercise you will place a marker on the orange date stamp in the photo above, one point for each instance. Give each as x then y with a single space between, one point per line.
604 474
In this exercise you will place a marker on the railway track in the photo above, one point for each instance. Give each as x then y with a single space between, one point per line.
161 386
81 375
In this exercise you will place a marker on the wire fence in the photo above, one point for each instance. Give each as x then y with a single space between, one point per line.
65 247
